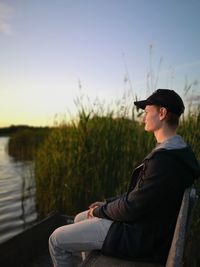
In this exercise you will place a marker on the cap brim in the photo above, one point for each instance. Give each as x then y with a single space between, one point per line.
141 104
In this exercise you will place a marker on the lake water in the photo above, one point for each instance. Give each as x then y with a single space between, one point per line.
17 191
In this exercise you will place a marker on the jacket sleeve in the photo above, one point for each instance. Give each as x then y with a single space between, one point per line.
150 190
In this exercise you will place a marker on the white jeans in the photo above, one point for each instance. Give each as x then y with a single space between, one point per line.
84 235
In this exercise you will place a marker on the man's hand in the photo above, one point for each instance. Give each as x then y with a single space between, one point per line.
92 207
90 213
96 204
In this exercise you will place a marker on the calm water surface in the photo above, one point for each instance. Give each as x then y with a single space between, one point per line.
17 190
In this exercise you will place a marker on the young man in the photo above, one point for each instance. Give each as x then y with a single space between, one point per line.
139 224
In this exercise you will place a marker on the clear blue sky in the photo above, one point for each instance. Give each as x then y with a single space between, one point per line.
49 47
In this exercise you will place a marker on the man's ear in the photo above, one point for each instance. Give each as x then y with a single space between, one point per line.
162 113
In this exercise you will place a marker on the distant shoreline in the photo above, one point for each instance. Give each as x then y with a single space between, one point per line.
7 131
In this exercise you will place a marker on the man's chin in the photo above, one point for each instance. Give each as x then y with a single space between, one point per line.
147 129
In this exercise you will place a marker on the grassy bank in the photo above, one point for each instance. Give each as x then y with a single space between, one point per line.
91 160
93 157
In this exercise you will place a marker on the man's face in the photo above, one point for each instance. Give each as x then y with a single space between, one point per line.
151 118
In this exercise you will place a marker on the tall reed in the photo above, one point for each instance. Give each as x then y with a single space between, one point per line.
87 160
92 157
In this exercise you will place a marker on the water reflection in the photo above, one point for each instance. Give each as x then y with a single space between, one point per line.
17 191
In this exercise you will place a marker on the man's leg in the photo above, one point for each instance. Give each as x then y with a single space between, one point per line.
78 218
81 216
84 235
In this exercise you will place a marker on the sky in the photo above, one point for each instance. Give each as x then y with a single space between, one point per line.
54 51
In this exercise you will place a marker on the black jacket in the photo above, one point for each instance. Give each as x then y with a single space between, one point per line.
145 216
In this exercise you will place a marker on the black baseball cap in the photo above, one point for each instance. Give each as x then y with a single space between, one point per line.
166 98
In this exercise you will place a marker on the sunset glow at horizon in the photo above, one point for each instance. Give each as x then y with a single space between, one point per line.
51 52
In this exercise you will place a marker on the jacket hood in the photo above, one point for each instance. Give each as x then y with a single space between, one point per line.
174 142
177 148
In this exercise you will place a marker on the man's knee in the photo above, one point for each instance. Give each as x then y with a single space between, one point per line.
52 239
81 216
56 242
